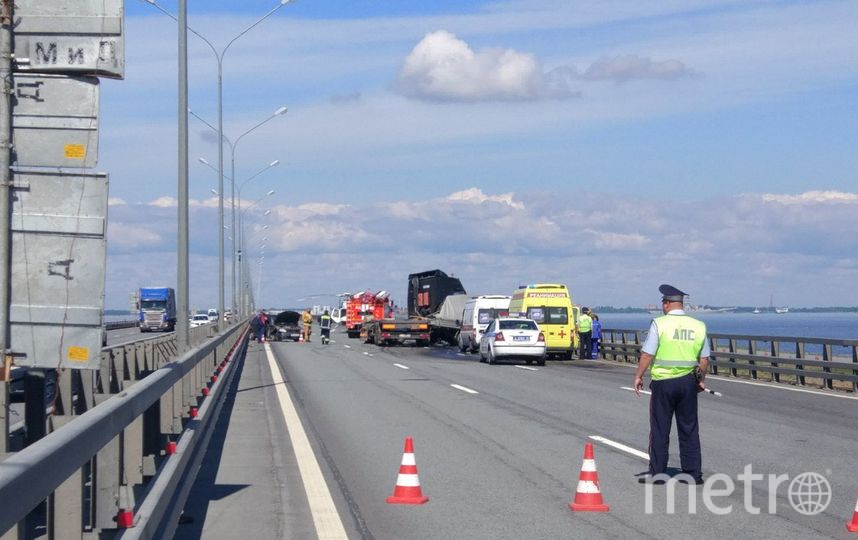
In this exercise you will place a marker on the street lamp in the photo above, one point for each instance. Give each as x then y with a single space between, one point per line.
241 241
219 56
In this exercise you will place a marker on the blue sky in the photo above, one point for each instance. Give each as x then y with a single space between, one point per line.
611 145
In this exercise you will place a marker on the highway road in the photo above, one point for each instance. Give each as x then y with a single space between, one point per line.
499 448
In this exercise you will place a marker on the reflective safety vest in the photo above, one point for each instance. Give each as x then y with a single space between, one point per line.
680 341
325 321
585 323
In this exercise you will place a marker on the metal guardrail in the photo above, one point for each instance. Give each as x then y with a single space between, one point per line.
792 360
116 325
132 426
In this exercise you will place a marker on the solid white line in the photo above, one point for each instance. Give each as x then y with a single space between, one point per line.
647 392
325 516
527 368
400 366
779 386
464 389
620 446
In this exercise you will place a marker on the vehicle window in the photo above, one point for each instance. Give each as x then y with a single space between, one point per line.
557 315
517 325
153 304
536 313
491 327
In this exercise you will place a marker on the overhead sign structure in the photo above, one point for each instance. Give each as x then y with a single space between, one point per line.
55 120
59 221
70 36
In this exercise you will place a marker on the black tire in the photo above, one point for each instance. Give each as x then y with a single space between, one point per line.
423 342
540 362
462 347
491 358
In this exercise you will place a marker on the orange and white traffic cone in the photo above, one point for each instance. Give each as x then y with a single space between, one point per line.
853 526
588 496
301 338
407 489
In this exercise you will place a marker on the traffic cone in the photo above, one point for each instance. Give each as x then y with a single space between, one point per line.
588 496
407 489
301 338
853 526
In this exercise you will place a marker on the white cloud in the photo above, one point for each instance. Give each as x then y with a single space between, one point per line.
476 196
812 197
445 68
627 67
164 202
115 201
124 235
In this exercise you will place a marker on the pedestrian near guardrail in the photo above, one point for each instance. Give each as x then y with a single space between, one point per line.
584 325
596 336
677 353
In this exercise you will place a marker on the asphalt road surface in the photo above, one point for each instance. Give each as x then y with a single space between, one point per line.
499 449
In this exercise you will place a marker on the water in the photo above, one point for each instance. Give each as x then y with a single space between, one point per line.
805 325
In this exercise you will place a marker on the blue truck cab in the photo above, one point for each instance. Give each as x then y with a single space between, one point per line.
157 309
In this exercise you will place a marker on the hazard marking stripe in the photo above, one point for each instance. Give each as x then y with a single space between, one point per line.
586 486
589 465
325 516
407 480
408 459
464 389
621 446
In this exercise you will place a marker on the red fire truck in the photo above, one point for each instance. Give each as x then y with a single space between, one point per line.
364 307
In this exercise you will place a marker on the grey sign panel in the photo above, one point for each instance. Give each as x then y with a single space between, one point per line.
70 36
55 120
59 222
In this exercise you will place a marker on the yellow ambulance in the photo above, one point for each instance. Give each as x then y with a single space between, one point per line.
550 305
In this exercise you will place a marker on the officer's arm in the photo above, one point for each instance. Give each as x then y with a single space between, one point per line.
643 365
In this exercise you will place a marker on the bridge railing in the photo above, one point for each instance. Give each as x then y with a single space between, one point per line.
827 363
113 433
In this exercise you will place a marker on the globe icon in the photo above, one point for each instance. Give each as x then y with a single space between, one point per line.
809 493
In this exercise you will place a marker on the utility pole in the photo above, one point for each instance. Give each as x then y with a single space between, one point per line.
5 211
182 272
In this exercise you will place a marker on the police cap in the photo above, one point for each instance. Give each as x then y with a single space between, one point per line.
669 293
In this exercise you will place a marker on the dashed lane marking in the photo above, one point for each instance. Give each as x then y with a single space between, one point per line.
464 389
400 366
325 517
620 446
647 392
347 346
527 368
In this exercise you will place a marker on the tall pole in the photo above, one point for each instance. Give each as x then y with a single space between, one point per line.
220 265
182 273
5 209
234 241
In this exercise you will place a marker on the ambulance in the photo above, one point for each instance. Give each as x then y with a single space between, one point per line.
550 305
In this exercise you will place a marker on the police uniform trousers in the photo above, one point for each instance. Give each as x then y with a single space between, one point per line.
676 396
585 345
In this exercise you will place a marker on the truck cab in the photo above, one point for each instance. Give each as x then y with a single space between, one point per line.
157 309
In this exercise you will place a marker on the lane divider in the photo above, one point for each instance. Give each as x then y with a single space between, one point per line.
325 516
464 389
528 368
400 366
647 392
620 446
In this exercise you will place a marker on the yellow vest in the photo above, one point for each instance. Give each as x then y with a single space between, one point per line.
680 341
585 323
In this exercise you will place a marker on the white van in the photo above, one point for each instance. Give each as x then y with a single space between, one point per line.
479 312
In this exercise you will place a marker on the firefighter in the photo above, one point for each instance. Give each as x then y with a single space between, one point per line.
325 326
307 319
678 351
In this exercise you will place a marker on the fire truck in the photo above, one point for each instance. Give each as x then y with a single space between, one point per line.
363 307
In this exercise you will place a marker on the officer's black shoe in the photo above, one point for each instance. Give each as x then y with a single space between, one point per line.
648 479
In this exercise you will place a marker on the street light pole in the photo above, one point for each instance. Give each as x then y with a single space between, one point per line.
182 274
242 269
183 36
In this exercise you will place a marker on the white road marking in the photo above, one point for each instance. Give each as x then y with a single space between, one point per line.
400 366
464 389
779 386
620 446
647 392
367 353
462 354
527 368
325 517
347 346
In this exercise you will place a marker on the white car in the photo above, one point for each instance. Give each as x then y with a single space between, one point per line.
200 319
511 338
212 315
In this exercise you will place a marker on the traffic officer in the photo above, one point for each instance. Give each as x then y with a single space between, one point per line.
678 351
585 333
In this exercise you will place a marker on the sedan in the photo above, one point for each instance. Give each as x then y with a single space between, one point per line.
513 338
200 319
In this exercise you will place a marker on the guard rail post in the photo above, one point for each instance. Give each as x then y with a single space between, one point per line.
776 351
752 350
826 357
799 354
855 371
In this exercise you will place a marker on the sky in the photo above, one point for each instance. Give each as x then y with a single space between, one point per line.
609 145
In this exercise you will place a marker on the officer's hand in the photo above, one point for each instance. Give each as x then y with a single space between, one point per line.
638 385
701 386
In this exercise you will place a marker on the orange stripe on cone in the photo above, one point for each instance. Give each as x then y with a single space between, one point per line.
588 495
407 488
853 526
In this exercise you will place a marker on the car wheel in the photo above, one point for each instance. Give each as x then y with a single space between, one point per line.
462 347
540 362
491 359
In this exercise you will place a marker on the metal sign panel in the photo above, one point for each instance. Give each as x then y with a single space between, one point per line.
70 36
59 222
55 120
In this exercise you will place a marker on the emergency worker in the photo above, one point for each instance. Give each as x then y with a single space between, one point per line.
585 333
677 351
307 319
325 325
